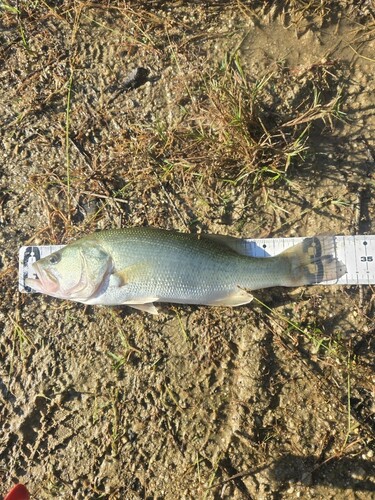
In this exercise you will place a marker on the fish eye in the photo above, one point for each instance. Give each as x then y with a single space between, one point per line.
54 258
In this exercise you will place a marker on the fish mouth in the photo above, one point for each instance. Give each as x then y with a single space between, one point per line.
45 281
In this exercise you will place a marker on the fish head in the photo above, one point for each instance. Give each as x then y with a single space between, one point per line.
76 272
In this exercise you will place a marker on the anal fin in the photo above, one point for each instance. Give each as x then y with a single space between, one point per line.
237 298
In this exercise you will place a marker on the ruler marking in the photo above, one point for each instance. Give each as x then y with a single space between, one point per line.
345 243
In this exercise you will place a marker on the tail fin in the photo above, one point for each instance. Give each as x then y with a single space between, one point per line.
314 260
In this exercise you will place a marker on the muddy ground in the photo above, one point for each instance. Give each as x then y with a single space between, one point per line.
244 118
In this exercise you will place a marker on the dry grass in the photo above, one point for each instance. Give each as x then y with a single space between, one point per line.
230 129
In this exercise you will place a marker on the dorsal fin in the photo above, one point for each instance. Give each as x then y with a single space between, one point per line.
237 245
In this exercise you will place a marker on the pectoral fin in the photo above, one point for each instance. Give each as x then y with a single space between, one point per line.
132 274
129 274
236 298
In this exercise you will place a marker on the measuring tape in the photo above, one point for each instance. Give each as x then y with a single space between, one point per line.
357 253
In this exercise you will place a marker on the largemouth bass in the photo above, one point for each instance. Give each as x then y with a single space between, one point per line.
141 265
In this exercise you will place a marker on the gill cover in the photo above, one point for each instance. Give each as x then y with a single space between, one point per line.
75 272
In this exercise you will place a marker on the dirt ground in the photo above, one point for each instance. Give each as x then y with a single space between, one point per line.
236 117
